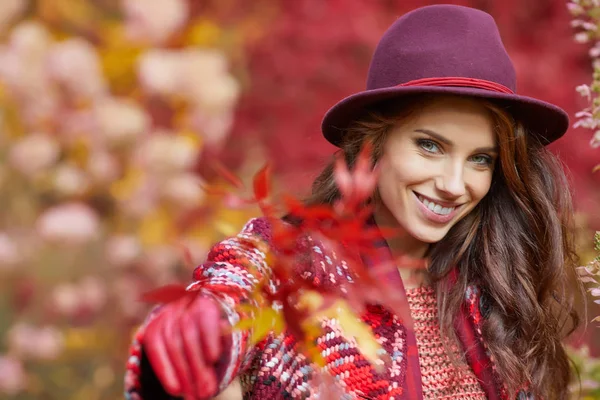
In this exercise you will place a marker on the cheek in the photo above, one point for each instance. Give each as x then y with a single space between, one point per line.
480 185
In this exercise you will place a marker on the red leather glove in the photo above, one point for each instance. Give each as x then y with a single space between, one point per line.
184 344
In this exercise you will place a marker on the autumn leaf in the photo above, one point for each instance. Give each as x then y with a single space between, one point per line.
262 322
262 189
165 294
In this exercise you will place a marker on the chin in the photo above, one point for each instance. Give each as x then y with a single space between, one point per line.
426 236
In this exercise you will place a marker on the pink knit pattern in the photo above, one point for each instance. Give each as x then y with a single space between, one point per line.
440 378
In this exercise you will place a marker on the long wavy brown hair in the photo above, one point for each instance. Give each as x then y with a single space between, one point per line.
517 246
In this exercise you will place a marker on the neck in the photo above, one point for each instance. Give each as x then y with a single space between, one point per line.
403 245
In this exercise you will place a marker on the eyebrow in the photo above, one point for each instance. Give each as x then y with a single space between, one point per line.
448 142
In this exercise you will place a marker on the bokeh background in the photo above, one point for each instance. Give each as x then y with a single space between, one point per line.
113 114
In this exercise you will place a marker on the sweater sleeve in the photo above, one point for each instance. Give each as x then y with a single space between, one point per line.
232 270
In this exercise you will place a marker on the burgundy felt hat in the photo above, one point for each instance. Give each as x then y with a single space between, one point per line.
445 49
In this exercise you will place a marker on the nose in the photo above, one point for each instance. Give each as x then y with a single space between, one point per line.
451 181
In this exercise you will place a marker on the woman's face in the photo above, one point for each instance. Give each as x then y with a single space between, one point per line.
436 167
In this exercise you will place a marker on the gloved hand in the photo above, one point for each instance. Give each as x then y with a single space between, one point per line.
185 343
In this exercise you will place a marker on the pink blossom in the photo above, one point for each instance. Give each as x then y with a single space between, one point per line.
35 343
165 152
199 76
122 250
184 190
154 21
33 153
49 343
70 180
31 41
128 290
595 51
66 299
143 199
75 65
12 376
93 293
121 120
207 82
10 10
161 71
103 167
9 252
72 223
160 261
22 61
582 37
216 96
595 142
575 9
213 128
584 91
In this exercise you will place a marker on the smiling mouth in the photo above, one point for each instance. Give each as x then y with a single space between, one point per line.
434 207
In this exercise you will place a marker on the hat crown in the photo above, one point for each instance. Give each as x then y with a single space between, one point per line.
465 43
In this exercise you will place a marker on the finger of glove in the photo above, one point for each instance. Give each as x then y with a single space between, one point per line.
202 372
173 337
207 314
156 350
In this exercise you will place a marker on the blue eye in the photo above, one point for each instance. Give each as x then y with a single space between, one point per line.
428 145
482 159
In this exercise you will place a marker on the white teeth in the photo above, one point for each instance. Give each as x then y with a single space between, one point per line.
436 208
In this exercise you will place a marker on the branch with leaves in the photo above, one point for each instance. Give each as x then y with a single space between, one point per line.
298 305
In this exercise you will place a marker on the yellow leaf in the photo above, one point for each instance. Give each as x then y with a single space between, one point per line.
263 321
315 355
124 188
352 326
156 228
119 57
310 300
203 33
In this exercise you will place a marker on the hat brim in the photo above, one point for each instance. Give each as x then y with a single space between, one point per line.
544 119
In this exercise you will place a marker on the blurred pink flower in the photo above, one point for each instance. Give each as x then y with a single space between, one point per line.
93 293
70 180
22 60
213 128
75 65
122 250
184 190
154 21
128 290
49 343
103 167
71 223
31 41
12 375
10 10
66 299
33 153
31 342
143 200
121 120
160 261
199 76
74 124
9 252
164 152
160 71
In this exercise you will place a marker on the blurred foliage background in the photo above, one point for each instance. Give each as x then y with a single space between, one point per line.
113 114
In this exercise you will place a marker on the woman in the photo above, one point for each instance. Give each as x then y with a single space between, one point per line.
467 179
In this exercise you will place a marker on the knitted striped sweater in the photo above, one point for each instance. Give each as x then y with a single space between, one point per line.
274 369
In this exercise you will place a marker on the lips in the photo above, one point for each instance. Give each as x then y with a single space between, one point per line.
435 210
